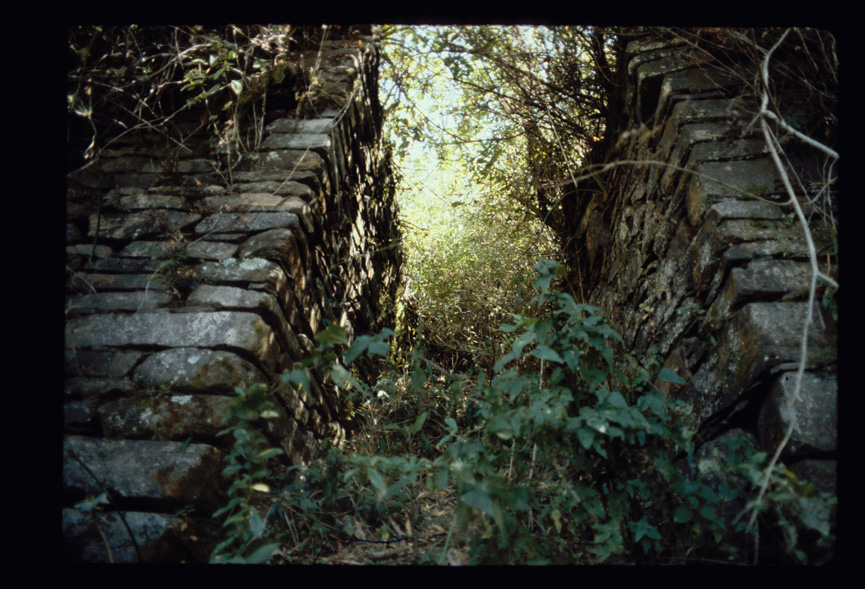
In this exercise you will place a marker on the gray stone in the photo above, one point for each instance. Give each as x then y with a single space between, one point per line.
80 417
302 161
196 370
229 330
226 222
758 337
815 412
160 538
165 473
150 300
113 282
176 417
262 303
142 224
300 126
280 188
83 249
233 272
77 387
151 201
196 250
308 141
760 280
268 202
280 246
113 364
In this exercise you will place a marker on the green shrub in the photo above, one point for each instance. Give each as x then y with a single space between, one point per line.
246 469
566 455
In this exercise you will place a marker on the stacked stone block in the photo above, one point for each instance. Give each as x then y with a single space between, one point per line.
202 280
714 281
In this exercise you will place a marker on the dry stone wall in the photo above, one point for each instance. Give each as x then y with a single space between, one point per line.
187 277
711 280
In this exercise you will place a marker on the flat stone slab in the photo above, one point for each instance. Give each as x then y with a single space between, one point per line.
113 364
165 473
815 410
228 222
196 250
760 280
267 202
234 272
141 224
300 126
284 159
164 418
196 370
261 303
221 329
111 282
158 537
106 302
290 141
758 337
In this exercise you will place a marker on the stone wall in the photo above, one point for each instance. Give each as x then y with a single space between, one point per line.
714 282
206 276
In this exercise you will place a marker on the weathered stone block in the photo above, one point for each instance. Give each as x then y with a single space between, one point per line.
244 272
164 418
102 302
762 280
76 387
261 303
143 200
160 538
759 336
113 364
280 246
247 222
300 126
242 331
751 176
165 474
306 141
815 412
196 370
137 225
197 250
97 282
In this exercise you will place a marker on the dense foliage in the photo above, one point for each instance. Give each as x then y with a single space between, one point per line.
566 454
501 114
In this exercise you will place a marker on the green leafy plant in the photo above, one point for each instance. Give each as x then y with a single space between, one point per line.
246 469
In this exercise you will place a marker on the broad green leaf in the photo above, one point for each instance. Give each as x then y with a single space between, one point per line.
669 376
356 349
682 515
256 524
376 479
418 423
333 334
547 353
586 437
478 499
262 554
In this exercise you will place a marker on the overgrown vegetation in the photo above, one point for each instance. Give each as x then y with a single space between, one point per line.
495 108
566 454
550 445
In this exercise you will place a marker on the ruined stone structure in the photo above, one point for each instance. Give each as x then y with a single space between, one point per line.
713 281
200 281
186 279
